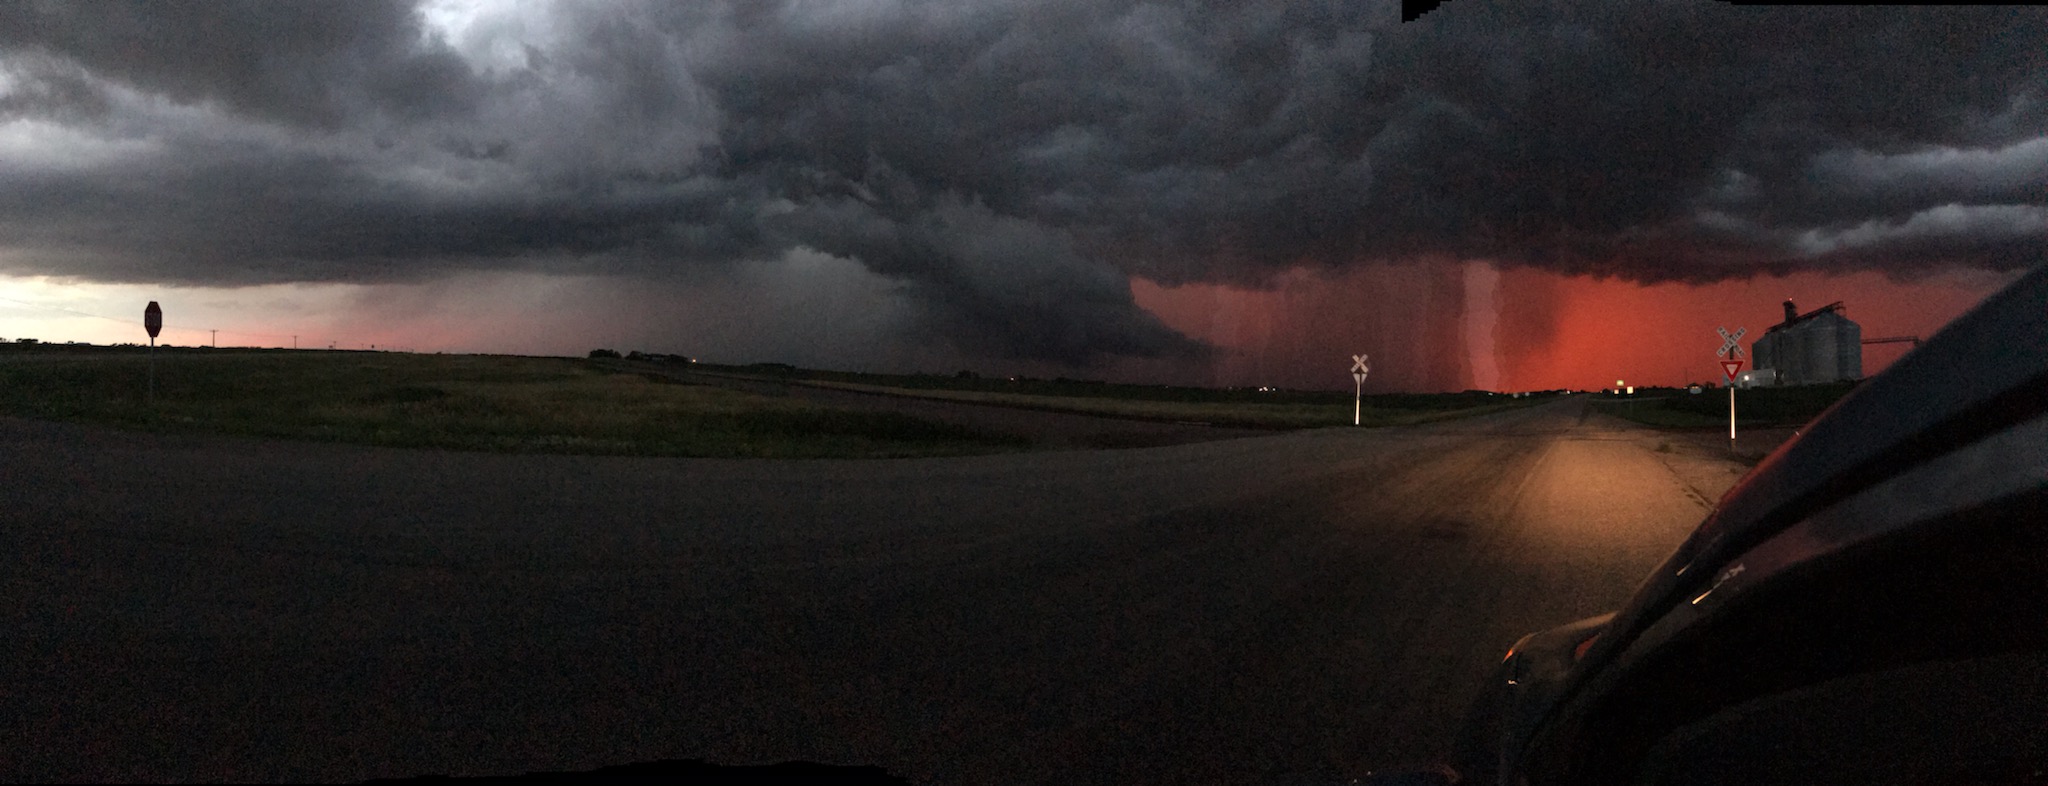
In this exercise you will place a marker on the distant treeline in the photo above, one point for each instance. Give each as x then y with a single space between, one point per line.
32 345
25 345
1763 406
1095 388
656 357
1795 404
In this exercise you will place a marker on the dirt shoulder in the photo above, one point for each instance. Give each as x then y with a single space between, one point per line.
1705 461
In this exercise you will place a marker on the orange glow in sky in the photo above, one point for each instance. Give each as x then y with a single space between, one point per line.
1664 334
1432 324
1428 326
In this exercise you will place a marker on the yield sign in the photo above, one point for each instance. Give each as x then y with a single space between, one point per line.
1732 367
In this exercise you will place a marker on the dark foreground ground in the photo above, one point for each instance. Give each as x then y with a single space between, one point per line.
1306 604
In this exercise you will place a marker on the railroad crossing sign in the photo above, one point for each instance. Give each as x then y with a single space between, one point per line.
1728 342
1731 350
1359 368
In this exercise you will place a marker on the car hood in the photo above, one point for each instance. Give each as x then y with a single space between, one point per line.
1984 373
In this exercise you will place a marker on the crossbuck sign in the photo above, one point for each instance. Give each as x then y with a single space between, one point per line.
1728 342
1359 368
1732 366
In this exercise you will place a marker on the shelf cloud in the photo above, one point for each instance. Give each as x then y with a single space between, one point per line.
1011 166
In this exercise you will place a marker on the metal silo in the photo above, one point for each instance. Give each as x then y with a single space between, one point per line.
1818 343
1848 350
1818 346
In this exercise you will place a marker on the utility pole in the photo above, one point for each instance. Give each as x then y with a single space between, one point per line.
295 342
216 339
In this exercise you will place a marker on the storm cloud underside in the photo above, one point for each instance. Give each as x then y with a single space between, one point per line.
1010 167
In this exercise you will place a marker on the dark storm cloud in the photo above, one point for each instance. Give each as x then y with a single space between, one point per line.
1011 163
1593 137
307 62
977 269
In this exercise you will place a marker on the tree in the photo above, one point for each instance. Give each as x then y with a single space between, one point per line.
604 353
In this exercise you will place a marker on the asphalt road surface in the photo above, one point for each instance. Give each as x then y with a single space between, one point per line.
1271 608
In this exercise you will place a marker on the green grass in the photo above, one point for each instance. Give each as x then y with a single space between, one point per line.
563 405
1064 388
1304 410
1755 407
466 402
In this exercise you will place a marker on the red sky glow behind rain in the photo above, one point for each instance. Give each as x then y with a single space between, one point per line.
1547 330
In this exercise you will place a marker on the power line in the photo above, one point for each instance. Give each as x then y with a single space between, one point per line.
139 324
333 343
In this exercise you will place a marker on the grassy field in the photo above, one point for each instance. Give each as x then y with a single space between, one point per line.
1064 388
1756 407
511 404
1311 410
565 405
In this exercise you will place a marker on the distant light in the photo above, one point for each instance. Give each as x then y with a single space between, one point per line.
1631 390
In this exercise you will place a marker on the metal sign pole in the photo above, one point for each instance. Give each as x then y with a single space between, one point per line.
152 321
1731 367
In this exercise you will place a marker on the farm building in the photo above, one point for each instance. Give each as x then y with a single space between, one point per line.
1818 346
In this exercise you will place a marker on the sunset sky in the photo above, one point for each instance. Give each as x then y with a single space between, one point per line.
1504 196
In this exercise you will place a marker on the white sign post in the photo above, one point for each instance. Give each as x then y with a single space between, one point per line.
1359 369
1731 365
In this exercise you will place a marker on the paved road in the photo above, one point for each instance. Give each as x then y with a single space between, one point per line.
1304 604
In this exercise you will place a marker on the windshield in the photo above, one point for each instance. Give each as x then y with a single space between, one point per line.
955 389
